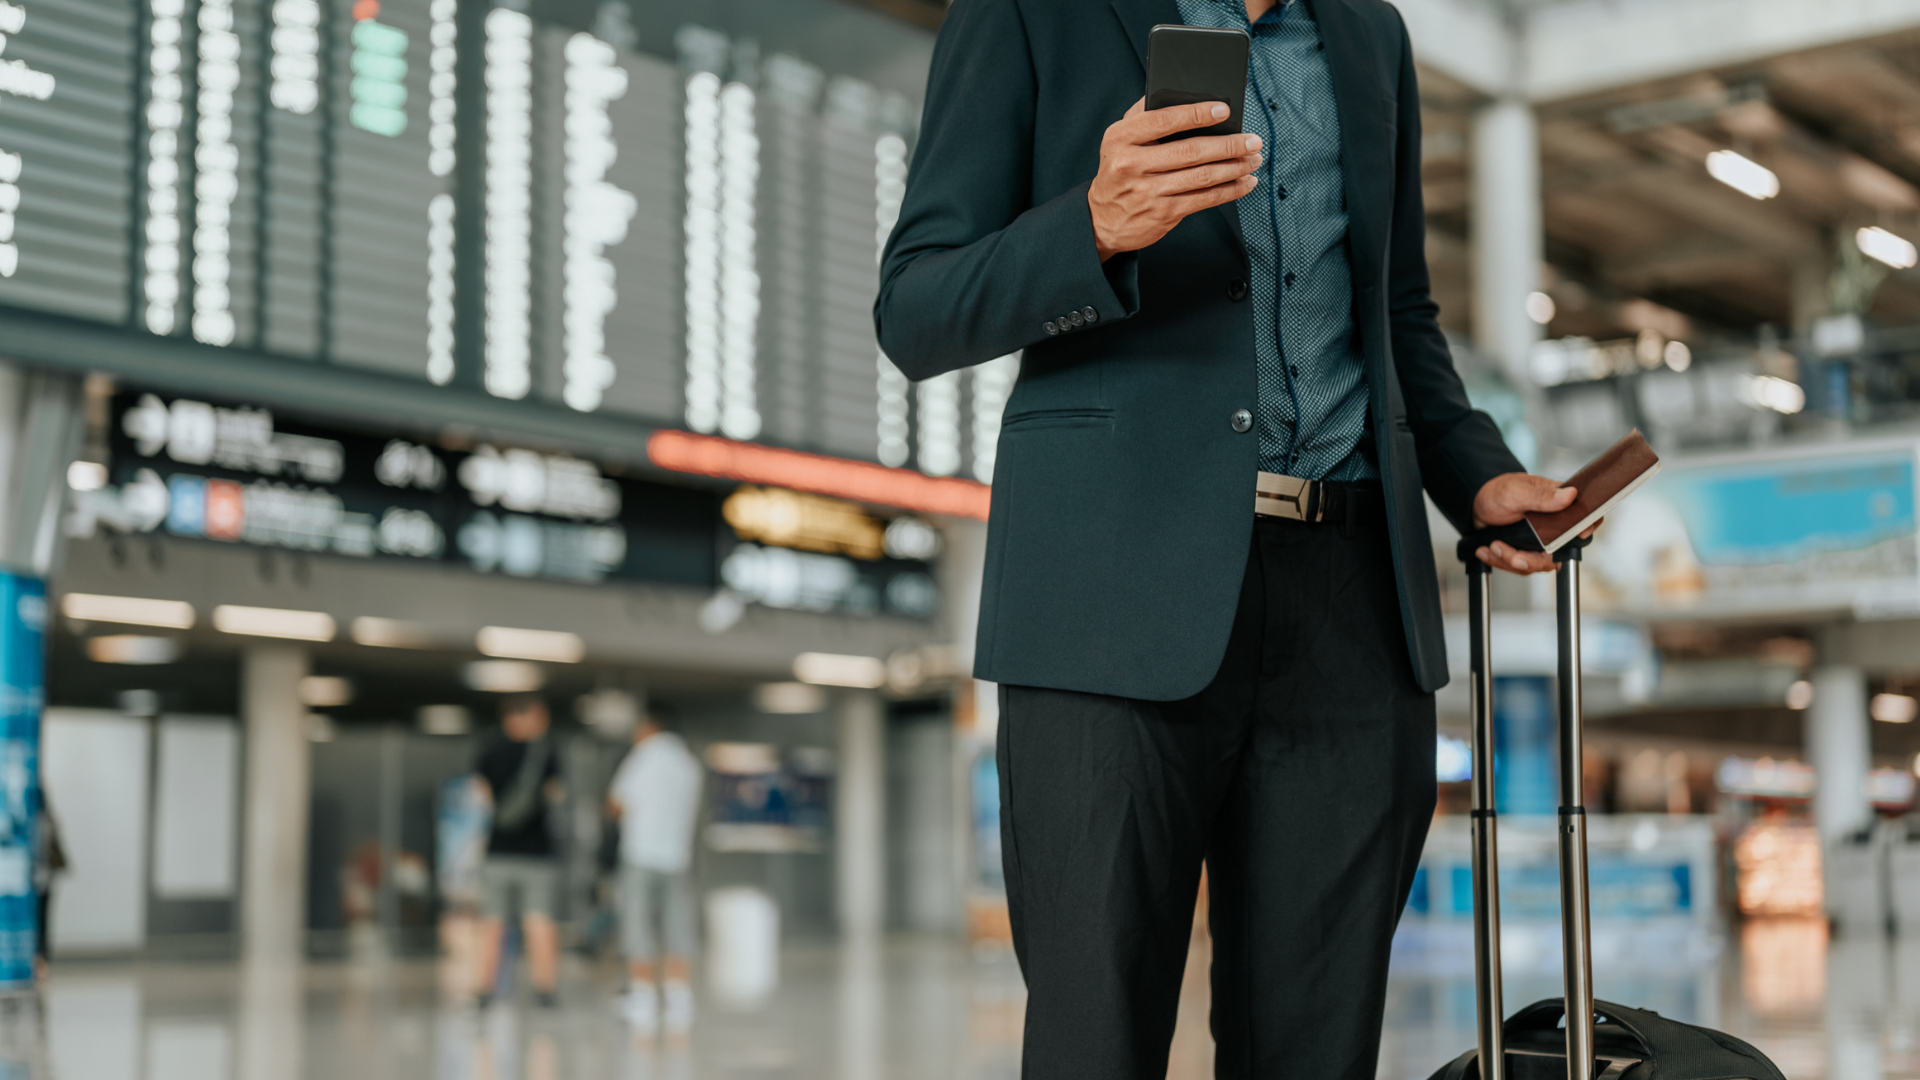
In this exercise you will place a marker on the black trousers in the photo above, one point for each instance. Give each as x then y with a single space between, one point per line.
1303 775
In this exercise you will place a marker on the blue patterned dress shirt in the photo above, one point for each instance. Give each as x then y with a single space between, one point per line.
1312 414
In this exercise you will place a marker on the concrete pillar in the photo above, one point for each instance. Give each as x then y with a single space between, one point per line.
279 790
859 803
1839 747
40 426
863 1010
1506 232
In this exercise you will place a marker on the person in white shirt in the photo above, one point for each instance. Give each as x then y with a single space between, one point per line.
656 796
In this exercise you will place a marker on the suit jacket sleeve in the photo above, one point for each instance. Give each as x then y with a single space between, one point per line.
1459 448
974 269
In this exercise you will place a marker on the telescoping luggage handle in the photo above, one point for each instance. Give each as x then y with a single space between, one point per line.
1575 930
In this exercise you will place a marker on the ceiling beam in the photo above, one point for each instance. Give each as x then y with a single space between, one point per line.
1589 45
1464 41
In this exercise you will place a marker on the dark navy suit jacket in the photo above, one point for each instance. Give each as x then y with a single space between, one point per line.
1122 495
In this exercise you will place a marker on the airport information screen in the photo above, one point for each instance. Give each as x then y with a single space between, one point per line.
511 197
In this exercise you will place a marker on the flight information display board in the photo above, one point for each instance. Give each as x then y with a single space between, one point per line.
511 196
245 475
66 155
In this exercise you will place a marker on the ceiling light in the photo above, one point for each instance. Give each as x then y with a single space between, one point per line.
1877 243
1800 695
1540 308
86 476
390 633
1743 174
445 719
1780 395
743 758
133 649
789 698
1893 708
504 676
556 646
131 610
273 622
324 691
833 669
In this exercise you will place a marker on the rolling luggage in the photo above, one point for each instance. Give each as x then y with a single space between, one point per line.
1600 1040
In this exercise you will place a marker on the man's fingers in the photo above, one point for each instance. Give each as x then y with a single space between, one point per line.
1159 123
1210 175
1136 109
1171 157
1193 202
1503 556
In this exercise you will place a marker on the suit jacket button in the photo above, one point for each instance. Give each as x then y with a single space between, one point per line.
1051 328
1236 290
1090 314
1076 318
1242 421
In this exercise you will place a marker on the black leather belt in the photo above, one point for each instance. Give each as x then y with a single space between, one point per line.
1316 501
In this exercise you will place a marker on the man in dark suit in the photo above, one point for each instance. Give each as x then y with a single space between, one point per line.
1210 594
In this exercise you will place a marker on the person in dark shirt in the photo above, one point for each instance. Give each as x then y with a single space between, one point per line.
519 773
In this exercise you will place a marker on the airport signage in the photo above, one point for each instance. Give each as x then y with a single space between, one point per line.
1799 529
241 474
522 200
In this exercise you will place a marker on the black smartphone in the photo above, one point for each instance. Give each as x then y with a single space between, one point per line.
1191 64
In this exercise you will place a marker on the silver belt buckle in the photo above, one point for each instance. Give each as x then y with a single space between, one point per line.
1287 497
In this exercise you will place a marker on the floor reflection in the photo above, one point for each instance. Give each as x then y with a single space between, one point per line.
902 1010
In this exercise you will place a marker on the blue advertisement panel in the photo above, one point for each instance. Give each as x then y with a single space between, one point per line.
23 620
1765 532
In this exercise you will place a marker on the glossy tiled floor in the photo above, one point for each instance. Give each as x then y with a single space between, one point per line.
913 1009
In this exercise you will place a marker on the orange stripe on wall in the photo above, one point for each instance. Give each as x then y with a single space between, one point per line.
752 463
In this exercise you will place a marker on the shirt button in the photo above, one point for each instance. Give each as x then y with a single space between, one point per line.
1236 290
1051 328
1281 192
1293 369
1090 314
1242 421
1289 280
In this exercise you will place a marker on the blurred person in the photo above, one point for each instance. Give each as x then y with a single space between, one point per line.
49 861
519 775
1206 325
655 795
460 851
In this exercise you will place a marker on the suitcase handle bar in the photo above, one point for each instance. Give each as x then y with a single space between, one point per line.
1575 927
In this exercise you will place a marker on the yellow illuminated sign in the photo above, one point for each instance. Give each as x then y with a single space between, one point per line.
794 519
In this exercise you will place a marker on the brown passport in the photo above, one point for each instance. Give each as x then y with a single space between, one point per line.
1602 483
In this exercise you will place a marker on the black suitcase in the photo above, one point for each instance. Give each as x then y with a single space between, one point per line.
1601 1041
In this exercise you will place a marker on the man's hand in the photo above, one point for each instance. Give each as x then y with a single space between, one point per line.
1145 187
1502 501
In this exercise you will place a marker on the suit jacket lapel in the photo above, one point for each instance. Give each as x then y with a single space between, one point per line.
1361 102
1139 17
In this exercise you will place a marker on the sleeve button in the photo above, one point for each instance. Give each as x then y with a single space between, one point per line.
1050 327
1091 315
1076 318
